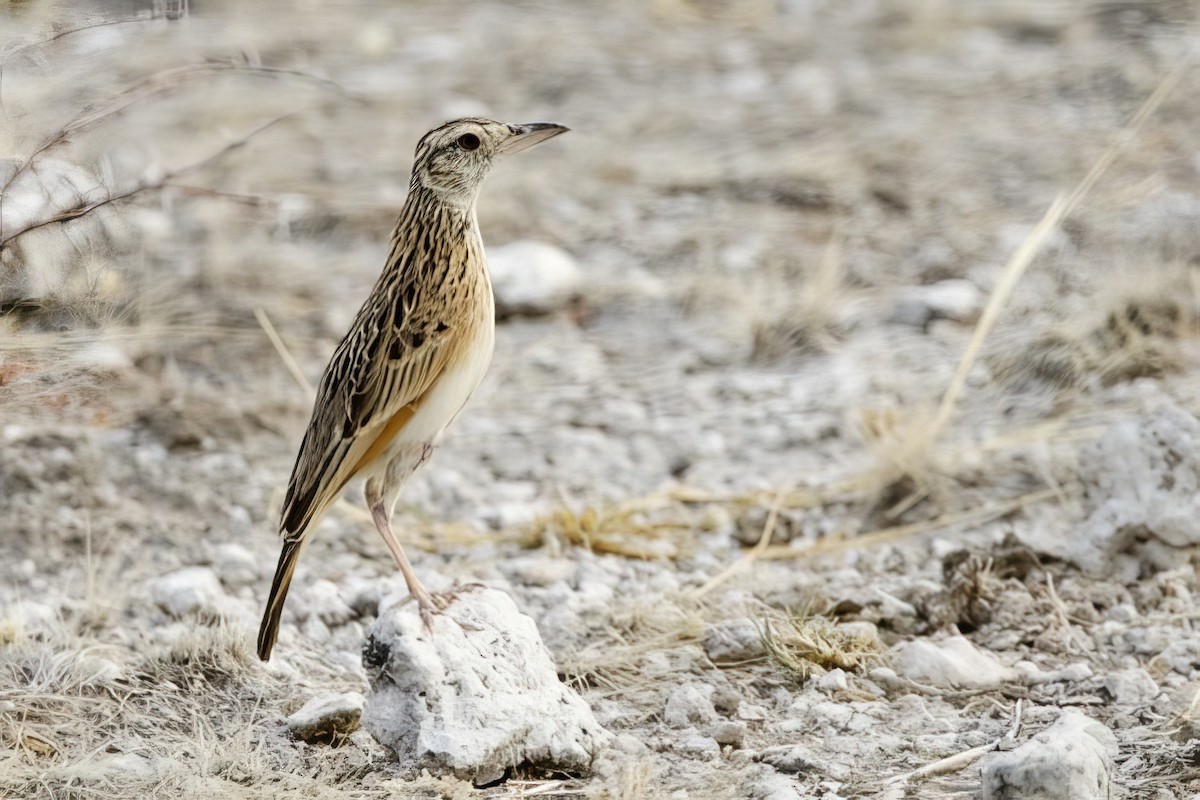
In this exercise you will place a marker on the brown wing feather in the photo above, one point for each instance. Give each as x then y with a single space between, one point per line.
390 357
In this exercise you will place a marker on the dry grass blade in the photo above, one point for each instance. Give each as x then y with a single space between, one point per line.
616 659
285 355
1023 257
803 644
747 559
629 530
831 545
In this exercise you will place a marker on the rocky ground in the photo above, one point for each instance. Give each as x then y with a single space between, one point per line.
726 458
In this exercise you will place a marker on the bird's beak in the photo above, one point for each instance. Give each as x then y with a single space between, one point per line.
526 136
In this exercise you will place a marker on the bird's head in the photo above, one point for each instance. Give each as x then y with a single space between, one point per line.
453 160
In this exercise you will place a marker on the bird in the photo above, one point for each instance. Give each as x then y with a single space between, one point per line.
415 352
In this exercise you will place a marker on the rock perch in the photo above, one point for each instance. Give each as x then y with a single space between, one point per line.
477 697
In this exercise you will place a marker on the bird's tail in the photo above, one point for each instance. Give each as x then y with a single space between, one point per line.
268 632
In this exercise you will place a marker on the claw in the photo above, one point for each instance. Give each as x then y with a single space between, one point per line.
433 604
427 617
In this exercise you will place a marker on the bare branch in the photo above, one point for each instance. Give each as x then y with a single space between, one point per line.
157 183
148 87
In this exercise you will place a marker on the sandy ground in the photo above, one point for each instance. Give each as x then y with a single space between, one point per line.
789 218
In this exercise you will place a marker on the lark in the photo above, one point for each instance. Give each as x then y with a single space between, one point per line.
415 353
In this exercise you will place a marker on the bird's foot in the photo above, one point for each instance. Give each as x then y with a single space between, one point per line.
431 604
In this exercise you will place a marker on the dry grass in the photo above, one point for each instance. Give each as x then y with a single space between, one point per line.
624 656
646 528
803 644
195 716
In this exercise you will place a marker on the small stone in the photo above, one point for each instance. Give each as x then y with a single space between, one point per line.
187 591
1070 760
790 759
953 663
734 641
1182 655
957 300
531 277
477 696
698 745
730 733
726 700
235 565
326 602
832 681
326 716
26 618
1131 687
690 705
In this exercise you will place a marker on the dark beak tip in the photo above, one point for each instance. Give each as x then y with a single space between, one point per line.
545 126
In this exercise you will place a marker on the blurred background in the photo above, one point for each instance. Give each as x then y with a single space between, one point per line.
735 292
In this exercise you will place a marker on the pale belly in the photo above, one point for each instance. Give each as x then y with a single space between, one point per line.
414 442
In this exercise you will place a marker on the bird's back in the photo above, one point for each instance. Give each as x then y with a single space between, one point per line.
428 317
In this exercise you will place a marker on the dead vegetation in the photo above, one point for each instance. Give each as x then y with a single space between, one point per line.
803 644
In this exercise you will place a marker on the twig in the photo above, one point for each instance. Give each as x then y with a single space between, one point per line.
54 37
902 531
1023 257
281 348
148 87
756 552
958 761
1060 611
157 183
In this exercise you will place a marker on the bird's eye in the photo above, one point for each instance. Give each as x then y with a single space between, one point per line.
468 141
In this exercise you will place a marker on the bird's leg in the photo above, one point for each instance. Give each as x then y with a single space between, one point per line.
381 512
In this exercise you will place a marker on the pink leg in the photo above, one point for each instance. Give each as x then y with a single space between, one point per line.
381 512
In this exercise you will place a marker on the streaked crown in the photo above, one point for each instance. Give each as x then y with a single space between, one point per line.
452 160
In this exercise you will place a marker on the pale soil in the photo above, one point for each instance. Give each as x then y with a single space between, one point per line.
750 194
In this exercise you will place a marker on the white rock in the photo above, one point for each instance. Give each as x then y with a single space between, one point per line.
235 565
1142 476
326 602
26 618
832 681
953 663
730 733
42 261
690 704
698 745
957 300
531 277
187 591
1131 687
326 715
733 641
1070 760
479 695
791 758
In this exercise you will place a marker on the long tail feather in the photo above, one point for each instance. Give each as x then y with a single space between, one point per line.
268 632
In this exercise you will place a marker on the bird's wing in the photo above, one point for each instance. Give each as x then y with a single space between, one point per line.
372 386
